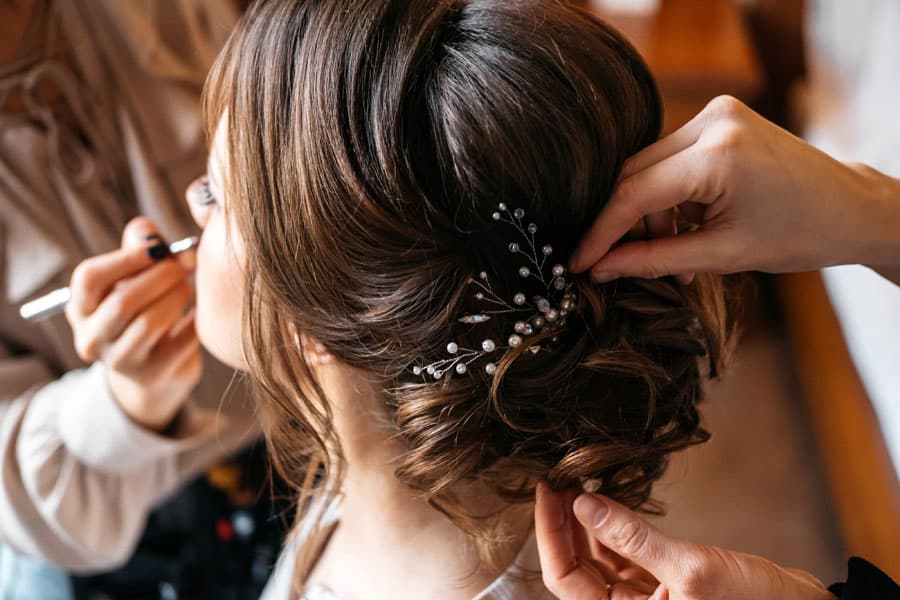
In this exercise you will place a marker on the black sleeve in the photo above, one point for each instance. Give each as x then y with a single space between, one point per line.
865 581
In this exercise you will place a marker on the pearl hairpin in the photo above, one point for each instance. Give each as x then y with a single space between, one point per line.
544 313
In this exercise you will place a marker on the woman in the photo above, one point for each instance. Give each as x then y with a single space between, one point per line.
394 188
98 426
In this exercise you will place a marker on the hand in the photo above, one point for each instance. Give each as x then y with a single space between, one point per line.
134 314
632 560
762 200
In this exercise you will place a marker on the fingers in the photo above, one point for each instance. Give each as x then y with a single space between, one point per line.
661 224
563 569
139 231
616 568
176 363
626 591
95 277
145 331
658 188
177 359
128 299
668 146
697 251
629 536
664 175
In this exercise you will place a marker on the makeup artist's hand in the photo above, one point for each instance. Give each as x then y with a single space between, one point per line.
132 310
762 200
632 560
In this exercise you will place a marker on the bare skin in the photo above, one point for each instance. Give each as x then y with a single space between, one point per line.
428 557
636 561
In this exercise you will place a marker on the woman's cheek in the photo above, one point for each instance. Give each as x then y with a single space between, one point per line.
219 296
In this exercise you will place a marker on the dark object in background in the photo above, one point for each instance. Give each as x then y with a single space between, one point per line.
865 581
217 538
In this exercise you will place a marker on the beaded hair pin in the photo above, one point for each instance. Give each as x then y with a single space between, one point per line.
543 312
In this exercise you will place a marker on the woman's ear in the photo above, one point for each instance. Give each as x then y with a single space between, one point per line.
314 352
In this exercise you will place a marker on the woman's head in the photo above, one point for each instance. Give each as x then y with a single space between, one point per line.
368 143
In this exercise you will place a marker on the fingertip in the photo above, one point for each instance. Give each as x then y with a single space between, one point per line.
590 510
140 231
602 276
580 259
606 270
574 266
617 263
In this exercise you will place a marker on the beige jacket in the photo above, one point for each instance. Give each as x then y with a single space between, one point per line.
77 477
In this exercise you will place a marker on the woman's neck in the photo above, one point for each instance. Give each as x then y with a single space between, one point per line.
378 511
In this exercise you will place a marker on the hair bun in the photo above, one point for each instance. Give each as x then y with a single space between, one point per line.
373 141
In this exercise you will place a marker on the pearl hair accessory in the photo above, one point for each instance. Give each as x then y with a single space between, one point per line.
545 311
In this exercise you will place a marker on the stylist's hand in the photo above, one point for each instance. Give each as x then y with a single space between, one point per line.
763 200
638 562
134 313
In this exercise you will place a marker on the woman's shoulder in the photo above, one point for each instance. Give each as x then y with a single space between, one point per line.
322 515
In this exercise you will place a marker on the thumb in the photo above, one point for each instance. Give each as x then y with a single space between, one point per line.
631 537
141 231
696 251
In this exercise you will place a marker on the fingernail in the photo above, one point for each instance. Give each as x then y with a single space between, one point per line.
604 276
158 251
590 510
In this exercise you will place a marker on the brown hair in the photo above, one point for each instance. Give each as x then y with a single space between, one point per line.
370 142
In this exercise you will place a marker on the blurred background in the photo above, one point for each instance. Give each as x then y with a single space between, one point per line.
802 466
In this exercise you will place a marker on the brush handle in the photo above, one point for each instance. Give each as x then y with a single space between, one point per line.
54 303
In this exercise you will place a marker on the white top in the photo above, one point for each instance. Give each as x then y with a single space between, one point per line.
510 585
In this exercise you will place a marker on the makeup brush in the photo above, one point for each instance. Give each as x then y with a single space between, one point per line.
54 302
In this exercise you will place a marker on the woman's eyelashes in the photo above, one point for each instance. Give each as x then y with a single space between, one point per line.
208 198
202 193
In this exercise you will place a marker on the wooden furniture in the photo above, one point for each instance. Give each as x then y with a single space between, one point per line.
858 469
697 50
